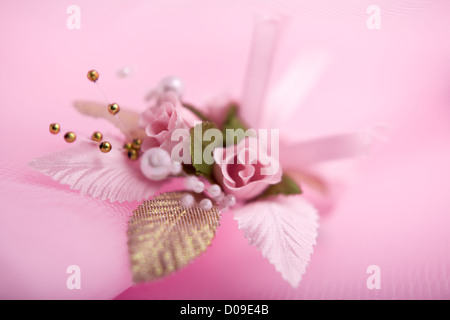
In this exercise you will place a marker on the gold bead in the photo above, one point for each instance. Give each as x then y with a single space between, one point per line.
105 147
128 146
93 75
70 137
54 128
97 136
137 144
113 108
133 154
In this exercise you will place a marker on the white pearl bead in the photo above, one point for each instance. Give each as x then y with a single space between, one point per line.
199 187
220 198
187 200
194 184
124 72
206 204
190 182
214 191
171 84
176 167
230 200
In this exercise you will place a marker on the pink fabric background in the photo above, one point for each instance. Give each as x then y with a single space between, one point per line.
393 212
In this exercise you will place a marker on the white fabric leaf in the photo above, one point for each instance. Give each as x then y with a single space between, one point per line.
105 176
284 229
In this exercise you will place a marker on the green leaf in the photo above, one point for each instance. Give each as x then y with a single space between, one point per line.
198 146
232 120
195 111
286 186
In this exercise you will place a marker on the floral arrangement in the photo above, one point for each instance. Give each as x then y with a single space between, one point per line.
227 154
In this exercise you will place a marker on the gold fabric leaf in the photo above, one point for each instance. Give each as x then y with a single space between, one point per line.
164 236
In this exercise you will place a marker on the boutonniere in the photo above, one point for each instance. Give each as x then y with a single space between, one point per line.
228 154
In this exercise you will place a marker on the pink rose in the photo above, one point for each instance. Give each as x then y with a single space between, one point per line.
243 171
161 120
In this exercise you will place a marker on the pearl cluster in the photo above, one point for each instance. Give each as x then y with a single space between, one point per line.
214 191
172 84
156 164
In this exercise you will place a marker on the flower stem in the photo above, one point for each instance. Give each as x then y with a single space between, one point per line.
195 111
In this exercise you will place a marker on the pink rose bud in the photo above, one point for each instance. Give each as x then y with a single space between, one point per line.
161 121
244 171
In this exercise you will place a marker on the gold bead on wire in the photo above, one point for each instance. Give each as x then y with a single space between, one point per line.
93 75
105 147
97 136
133 154
128 146
137 144
113 108
70 137
54 128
